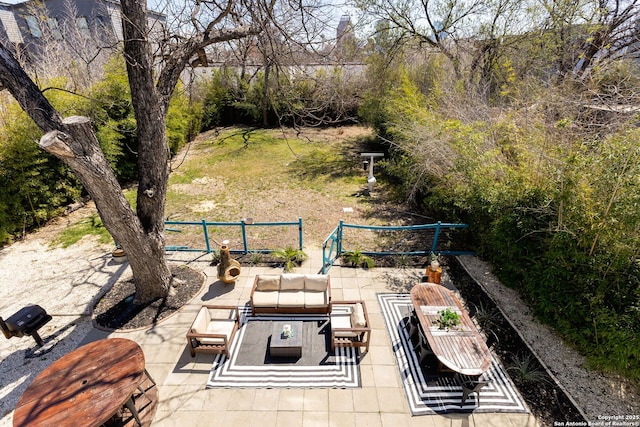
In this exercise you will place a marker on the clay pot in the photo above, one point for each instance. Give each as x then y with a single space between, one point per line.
228 268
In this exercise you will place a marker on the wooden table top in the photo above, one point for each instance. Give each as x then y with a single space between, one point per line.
462 349
84 387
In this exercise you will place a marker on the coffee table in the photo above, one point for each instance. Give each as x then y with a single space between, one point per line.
281 346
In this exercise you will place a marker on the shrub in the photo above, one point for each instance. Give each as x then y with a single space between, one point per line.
35 185
291 257
358 259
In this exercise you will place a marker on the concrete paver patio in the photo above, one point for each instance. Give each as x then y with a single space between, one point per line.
380 401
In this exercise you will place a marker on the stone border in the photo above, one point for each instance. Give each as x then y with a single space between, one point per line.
515 329
95 324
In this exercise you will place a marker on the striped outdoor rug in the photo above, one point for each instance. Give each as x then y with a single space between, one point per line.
429 392
339 370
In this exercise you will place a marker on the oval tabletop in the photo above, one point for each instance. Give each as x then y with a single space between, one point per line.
461 349
84 387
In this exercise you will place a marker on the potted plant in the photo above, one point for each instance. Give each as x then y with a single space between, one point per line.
448 319
358 259
291 257
435 261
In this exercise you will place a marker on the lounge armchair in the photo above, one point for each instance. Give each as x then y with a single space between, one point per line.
213 329
350 328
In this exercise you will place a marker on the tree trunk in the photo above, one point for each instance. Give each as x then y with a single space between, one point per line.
74 142
153 153
79 148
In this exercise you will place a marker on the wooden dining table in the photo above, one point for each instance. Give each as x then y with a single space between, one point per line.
461 348
85 387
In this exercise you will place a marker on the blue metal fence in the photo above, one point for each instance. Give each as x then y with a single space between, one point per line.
332 247
243 225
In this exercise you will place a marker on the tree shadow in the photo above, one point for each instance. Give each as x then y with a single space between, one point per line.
22 360
19 368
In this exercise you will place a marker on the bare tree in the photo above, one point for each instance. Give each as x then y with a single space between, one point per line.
436 24
614 33
73 140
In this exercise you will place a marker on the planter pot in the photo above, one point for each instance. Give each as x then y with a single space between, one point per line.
118 255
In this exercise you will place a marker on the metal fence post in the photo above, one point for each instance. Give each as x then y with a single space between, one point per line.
206 235
339 235
243 226
435 237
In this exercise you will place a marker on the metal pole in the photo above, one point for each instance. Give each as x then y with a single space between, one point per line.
244 235
206 235
300 232
435 238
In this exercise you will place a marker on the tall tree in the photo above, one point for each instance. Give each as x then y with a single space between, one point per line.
73 140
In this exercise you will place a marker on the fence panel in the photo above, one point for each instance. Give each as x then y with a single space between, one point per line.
197 236
398 240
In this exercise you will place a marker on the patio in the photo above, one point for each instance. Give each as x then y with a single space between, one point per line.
380 401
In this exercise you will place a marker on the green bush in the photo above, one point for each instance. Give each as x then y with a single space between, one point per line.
35 185
552 205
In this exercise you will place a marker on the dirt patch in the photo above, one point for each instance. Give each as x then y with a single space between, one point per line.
116 310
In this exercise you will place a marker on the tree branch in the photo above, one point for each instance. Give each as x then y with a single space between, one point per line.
28 95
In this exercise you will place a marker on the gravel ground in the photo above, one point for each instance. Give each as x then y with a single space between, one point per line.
597 395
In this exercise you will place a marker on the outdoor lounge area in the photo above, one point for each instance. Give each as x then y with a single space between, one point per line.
356 365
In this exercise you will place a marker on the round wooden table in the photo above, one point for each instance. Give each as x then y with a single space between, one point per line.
85 387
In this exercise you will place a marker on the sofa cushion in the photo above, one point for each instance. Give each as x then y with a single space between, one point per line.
265 299
357 317
342 321
291 299
268 283
292 282
218 327
315 299
315 282
201 322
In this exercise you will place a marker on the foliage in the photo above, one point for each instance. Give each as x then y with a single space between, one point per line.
487 317
215 257
181 119
402 261
35 185
524 368
113 113
229 98
447 319
291 257
255 258
550 189
356 258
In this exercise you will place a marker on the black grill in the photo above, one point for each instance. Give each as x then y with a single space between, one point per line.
26 321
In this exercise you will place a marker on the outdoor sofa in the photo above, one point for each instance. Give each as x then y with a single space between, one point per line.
291 293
